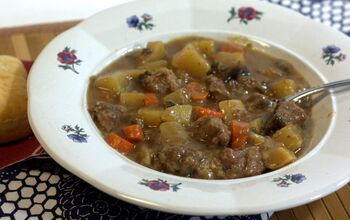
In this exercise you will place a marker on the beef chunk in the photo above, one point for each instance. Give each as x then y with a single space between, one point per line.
107 115
286 113
241 163
211 130
210 169
232 86
224 71
216 88
251 84
227 65
188 162
232 158
178 160
260 103
226 164
235 89
161 81
254 164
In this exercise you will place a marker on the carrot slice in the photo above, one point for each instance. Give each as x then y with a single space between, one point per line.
119 143
197 91
232 48
240 134
133 133
200 111
150 99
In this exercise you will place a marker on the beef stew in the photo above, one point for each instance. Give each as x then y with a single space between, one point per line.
201 108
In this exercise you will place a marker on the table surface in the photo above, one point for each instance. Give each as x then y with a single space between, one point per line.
27 42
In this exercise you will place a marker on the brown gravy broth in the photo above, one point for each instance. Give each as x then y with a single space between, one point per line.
222 119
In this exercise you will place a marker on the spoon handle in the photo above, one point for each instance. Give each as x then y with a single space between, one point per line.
297 96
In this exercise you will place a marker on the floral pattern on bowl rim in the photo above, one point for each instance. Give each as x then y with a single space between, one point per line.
144 22
331 54
244 14
76 134
289 179
160 185
67 57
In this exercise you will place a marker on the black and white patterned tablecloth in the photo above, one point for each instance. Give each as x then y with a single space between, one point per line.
38 188
335 13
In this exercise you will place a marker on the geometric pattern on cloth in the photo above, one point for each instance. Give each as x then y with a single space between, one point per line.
334 13
28 192
41 189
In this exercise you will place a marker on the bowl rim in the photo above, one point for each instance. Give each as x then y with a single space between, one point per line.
80 29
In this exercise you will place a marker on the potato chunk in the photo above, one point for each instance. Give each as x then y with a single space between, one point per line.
229 59
291 136
205 46
132 99
155 65
134 73
228 107
178 113
115 82
277 157
150 116
173 133
256 125
118 80
157 51
256 139
191 61
178 97
283 88
143 155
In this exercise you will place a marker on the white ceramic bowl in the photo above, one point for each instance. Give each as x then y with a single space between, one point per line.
60 120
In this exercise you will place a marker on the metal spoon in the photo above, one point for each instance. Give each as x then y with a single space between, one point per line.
299 95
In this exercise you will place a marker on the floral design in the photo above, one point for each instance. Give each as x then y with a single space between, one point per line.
76 134
244 14
79 200
331 53
68 59
160 185
289 179
135 22
100 207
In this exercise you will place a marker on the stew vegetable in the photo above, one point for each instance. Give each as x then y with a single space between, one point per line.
201 108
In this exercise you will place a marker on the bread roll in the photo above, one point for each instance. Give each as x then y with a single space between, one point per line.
13 100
